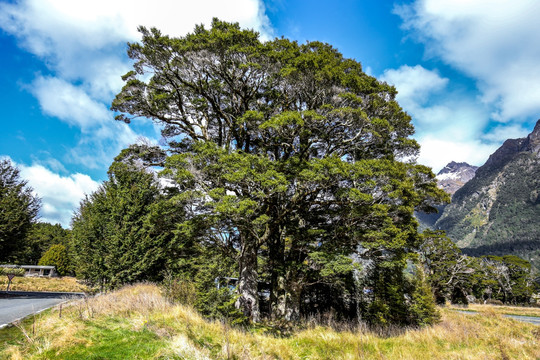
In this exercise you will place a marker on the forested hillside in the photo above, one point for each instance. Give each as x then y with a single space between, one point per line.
497 212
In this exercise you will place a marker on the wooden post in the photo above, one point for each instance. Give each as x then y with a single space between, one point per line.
10 277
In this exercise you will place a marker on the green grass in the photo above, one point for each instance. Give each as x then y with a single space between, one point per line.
138 323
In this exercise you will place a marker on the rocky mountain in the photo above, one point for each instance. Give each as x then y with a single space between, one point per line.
454 175
498 211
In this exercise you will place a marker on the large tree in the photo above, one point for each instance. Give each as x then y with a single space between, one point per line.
19 209
292 151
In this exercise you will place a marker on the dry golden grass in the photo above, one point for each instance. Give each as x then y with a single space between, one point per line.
137 322
501 309
61 284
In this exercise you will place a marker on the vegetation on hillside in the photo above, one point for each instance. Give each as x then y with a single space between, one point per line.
459 278
497 212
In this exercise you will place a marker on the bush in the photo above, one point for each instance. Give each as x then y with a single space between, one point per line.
14 271
422 308
57 256
493 302
181 291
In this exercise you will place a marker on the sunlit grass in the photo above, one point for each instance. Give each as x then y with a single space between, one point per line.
503 310
60 284
136 322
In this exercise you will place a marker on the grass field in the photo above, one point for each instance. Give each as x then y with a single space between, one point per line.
502 310
136 322
62 284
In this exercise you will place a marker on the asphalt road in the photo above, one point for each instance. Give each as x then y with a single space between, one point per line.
529 319
14 308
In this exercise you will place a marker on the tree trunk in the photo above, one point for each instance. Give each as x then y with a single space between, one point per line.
276 262
288 307
248 301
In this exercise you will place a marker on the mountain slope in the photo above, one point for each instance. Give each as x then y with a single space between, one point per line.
498 211
451 178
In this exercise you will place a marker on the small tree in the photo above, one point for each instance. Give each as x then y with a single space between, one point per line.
57 256
123 232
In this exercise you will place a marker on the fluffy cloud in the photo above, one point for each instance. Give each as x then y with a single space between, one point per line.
493 41
60 195
503 132
83 45
437 152
415 84
449 125
82 40
69 103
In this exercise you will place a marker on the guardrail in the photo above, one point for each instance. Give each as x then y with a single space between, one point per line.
42 294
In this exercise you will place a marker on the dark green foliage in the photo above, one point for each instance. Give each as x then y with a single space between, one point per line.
40 238
454 276
18 211
123 232
57 256
286 156
422 310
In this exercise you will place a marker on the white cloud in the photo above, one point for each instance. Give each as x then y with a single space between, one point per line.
448 124
414 84
83 43
503 132
60 195
495 42
66 32
69 103
436 152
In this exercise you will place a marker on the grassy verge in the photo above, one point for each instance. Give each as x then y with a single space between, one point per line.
61 284
502 310
136 322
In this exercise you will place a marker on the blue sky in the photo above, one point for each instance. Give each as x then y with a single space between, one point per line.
467 71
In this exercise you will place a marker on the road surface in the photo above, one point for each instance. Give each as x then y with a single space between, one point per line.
14 308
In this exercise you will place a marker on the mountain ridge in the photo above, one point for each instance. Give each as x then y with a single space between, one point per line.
496 212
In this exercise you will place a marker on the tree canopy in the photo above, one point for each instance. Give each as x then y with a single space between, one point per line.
122 232
19 209
287 153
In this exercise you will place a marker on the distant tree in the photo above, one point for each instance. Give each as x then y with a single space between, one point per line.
41 237
510 278
18 211
57 256
449 272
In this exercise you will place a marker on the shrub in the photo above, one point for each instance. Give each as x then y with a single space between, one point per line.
14 271
181 291
57 256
